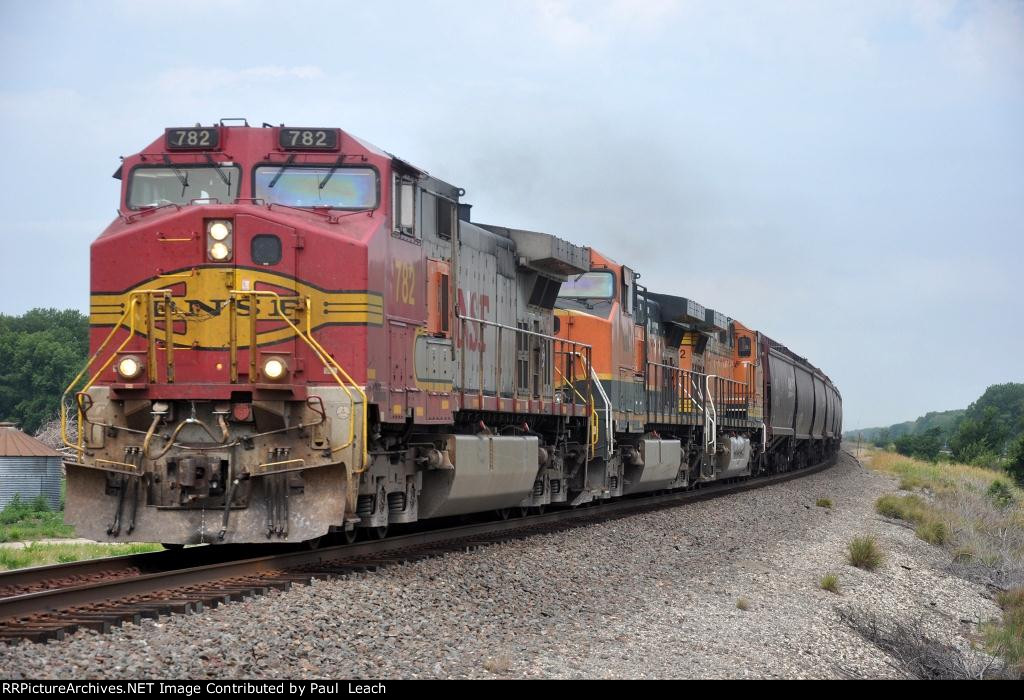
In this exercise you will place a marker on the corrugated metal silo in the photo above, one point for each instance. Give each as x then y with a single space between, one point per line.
27 468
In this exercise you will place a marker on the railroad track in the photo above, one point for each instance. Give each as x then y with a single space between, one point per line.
49 602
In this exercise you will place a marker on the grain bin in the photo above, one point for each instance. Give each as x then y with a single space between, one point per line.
28 468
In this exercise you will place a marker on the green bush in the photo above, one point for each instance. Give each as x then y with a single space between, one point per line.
910 508
25 520
830 583
924 446
1015 461
932 531
864 553
1007 638
1000 494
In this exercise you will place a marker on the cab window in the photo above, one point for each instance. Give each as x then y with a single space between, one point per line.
589 285
403 196
317 186
743 346
157 185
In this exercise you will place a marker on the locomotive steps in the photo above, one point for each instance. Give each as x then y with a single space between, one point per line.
652 595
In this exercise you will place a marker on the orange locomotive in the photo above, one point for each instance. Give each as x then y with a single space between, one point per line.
295 333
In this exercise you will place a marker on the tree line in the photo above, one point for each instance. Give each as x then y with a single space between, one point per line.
989 433
40 352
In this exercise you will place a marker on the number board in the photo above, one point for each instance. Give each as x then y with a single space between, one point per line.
205 138
308 139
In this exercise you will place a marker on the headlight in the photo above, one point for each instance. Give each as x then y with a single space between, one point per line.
129 367
274 369
219 230
219 251
218 239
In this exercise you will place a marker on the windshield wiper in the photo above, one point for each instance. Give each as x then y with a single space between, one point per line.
223 176
330 173
291 159
182 177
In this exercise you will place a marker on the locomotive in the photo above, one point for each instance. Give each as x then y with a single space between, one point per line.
295 333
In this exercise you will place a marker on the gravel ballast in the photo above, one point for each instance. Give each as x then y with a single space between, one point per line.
651 596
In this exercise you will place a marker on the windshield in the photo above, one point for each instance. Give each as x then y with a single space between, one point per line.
589 285
320 186
152 186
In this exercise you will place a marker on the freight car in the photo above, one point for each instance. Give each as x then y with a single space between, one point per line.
295 333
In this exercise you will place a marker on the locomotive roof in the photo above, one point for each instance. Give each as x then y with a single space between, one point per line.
159 145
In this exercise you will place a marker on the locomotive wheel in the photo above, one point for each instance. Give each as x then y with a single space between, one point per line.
524 511
349 536
313 543
172 546
377 533
504 513
539 510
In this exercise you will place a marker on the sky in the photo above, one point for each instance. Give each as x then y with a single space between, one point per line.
847 177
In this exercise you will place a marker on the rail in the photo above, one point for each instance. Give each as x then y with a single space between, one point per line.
67 602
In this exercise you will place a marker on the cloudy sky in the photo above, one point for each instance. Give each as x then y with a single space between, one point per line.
847 177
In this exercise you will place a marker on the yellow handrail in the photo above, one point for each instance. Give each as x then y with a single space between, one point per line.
595 429
569 384
133 301
324 357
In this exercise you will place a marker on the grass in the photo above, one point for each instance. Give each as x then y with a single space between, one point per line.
978 515
928 519
932 532
910 508
40 553
823 503
31 520
1000 494
864 553
743 604
1007 638
940 477
830 583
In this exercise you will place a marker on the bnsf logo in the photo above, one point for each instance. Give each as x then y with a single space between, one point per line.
209 308
200 307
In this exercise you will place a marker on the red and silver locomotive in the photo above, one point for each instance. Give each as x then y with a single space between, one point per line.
295 333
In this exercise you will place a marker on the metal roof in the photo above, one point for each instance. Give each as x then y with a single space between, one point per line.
14 443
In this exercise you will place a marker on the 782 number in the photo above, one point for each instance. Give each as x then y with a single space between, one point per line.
311 139
202 138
